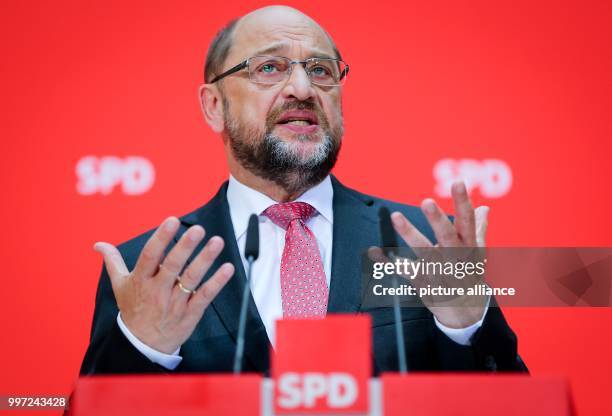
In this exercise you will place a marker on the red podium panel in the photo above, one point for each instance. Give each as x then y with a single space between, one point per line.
322 365
495 394
167 395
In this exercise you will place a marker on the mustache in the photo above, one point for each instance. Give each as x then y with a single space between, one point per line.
276 113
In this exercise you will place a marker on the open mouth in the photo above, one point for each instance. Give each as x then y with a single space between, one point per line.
299 118
298 122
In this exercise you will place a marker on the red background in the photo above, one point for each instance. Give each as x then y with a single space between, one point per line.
521 81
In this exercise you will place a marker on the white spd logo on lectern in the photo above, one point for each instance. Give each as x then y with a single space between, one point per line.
337 390
492 177
134 174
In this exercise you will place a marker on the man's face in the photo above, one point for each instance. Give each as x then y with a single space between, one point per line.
288 132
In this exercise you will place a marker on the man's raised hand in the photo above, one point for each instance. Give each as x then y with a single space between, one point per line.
155 309
468 231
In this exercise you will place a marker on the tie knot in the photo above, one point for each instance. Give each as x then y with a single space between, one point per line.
283 214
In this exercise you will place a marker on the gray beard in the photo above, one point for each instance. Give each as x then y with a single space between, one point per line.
271 158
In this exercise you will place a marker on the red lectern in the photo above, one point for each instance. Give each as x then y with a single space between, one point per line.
179 395
477 394
323 367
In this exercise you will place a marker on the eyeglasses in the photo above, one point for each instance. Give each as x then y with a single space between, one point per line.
327 72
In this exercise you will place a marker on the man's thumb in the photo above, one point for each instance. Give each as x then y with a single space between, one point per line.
115 266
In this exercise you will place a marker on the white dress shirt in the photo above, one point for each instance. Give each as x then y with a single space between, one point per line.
265 278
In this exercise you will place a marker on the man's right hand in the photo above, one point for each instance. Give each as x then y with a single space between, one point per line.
152 305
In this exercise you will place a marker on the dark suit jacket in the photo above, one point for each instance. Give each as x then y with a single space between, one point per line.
356 227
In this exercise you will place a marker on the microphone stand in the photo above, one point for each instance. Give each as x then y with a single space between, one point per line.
242 320
399 332
389 242
251 252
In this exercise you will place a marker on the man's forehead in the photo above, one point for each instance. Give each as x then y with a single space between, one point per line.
278 31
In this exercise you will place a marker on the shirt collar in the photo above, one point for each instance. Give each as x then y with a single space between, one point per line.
244 201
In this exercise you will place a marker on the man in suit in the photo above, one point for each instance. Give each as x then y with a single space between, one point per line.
167 301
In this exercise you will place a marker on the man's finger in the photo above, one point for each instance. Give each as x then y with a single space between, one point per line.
115 266
177 257
409 233
482 222
377 254
445 232
465 222
196 270
153 250
208 291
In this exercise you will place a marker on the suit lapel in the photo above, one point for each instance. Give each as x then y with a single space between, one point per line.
215 219
355 229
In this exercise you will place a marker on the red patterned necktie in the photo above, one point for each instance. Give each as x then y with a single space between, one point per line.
303 284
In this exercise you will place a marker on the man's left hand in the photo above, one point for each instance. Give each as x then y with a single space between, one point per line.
468 230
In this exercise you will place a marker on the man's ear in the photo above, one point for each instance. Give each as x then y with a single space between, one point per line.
211 103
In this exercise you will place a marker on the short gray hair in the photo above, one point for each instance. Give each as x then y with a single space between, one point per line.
220 47
218 50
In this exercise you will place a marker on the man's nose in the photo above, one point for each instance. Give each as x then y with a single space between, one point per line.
298 85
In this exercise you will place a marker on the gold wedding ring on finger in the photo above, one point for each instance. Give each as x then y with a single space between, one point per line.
178 281
183 288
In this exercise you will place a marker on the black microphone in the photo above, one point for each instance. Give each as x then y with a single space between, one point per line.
251 247
251 252
387 232
389 243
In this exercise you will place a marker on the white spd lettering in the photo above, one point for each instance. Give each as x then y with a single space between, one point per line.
304 390
492 177
135 175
